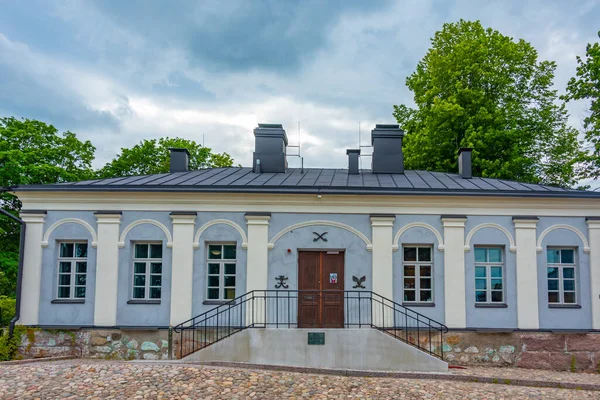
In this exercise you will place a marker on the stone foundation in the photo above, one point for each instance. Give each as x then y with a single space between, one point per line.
91 343
553 351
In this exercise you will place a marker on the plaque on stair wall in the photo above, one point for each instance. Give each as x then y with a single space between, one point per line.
316 338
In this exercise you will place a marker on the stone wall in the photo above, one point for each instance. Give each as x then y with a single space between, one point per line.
91 343
553 351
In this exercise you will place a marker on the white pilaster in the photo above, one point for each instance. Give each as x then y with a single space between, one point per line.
594 239
382 276
32 267
454 271
257 263
527 278
182 269
107 269
382 271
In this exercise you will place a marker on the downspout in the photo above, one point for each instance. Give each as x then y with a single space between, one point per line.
13 321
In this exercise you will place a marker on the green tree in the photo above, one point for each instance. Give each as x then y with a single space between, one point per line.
478 88
152 156
32 152
585 85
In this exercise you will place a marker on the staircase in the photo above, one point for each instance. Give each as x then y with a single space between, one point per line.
278 309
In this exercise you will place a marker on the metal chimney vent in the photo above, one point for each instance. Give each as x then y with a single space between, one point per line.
353 155
465 168
387 149
270 142
180 160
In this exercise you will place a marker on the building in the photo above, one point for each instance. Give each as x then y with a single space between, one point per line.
500 263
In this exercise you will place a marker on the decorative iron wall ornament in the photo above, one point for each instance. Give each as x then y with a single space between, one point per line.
281 283
320 237
359 282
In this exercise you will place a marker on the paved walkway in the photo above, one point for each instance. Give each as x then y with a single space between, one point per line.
530 374
118 380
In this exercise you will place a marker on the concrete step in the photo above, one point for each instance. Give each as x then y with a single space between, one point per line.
354 349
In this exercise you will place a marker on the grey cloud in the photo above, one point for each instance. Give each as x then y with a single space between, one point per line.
183 68
179 86
238 35
21 96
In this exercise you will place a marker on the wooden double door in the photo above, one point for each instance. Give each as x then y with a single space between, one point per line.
321 289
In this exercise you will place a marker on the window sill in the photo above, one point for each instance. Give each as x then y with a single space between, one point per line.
68 301
217 302
406 304
143 302
564 306
490 305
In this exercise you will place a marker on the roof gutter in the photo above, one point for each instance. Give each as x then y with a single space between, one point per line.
310 190
20 271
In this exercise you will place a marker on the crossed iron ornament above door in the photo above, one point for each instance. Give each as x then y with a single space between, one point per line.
320 237
281 283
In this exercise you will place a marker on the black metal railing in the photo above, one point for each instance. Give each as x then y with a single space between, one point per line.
310 309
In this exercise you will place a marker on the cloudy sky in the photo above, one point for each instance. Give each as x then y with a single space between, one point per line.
116 72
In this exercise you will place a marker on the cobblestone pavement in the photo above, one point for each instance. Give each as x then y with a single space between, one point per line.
118 380
530 374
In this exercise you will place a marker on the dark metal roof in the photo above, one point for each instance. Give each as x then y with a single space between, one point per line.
315 180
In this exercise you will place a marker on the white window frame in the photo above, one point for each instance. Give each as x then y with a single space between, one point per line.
222 273
417 264
73 274
560 266
488 274
148 274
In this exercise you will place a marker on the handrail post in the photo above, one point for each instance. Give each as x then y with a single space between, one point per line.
429 328
418 332
359 307
193 339
346 306
181 342
170 348
382 315
395 328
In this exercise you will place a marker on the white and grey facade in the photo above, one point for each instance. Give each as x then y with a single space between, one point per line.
471 253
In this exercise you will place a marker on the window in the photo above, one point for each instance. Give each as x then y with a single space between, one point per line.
418 274
560 269
72 270
221 271
147 271
489 275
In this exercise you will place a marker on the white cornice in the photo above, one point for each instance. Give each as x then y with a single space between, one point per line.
526 224
183 219
385 222
344 204
33 218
